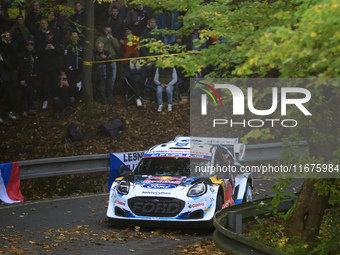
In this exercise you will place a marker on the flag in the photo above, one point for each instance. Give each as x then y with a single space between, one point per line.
129 159
114 169
10 183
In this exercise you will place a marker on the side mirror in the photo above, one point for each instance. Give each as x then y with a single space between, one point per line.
124 170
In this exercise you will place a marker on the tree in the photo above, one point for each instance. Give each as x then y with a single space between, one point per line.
293 39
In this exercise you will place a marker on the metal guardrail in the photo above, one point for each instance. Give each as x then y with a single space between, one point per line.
234 243
49 167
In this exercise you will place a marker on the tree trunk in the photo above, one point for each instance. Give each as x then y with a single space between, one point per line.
87 93
307 216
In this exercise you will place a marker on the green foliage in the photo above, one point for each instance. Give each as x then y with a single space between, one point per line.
263 133
271 231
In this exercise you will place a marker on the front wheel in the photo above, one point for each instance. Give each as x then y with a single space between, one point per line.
248 194
111 222
219 202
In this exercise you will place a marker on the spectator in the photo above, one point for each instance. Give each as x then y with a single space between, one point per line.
147 34
111 45
165 79
10 51
55 27
64 95
33 18
49 53
20 33
28 69
122 9
116 23
78 19
176 47
6 86
40 34
136 20
102 74
144 51
131 43
168 20
13 9
136 75
5 23
8 47
73 58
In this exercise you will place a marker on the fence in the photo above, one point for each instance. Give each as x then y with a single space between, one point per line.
49 167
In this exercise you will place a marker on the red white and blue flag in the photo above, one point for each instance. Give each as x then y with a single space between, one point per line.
10 183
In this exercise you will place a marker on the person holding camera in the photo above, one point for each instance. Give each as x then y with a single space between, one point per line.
111 45
64 95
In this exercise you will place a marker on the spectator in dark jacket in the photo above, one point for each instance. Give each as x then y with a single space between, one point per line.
73 58
136 20
147 34
8 47
6 86
78 18
28 69
64 94
33 18
40 35
116 23
136 75
20 33
10 51
102 74
53 24
49 53
5 23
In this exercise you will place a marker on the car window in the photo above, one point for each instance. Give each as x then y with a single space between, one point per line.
163 166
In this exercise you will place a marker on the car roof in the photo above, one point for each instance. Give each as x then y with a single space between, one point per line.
180 147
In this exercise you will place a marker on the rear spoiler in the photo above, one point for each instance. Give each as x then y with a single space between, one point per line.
239 148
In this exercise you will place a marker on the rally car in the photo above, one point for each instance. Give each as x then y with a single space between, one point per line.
183 181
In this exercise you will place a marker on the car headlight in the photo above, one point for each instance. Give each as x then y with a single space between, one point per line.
197 190
123 187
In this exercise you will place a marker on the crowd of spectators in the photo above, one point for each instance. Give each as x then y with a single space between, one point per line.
41 55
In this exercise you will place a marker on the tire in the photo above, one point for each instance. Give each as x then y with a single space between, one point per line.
219 202
111 222
248 194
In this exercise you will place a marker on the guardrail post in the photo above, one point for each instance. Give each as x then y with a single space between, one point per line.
239 224
231 223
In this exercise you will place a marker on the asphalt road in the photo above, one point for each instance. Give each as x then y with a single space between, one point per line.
77 225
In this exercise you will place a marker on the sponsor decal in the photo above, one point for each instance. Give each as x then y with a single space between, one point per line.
158 186
178 155
156 207
164 180
156 193
183 143
119 203
196 205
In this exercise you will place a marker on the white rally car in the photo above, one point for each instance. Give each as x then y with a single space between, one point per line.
183 181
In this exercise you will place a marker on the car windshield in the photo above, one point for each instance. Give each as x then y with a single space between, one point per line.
168 166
